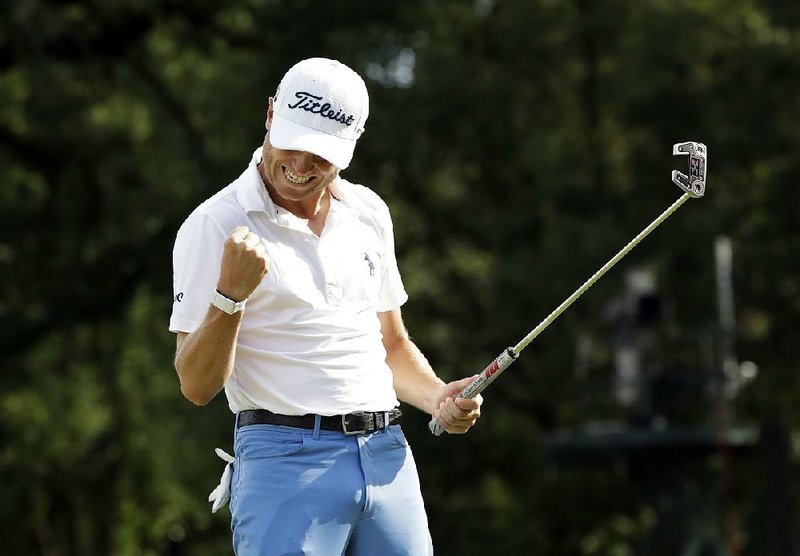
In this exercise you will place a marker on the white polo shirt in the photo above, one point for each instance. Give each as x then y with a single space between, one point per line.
310 339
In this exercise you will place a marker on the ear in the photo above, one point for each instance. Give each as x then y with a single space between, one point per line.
270 112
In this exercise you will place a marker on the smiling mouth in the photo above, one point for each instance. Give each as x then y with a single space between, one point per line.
294 178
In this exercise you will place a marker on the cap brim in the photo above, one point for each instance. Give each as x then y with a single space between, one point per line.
288 135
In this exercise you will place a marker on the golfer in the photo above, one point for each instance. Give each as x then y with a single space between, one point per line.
288 296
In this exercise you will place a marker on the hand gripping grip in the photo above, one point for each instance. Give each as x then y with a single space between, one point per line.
481 382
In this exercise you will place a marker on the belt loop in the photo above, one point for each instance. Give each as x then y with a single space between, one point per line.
317 421
385 420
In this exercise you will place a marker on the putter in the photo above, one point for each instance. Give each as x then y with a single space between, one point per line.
693 185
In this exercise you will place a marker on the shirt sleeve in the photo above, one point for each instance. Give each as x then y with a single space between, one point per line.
196 260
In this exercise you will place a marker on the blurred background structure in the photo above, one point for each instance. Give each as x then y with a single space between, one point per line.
519 145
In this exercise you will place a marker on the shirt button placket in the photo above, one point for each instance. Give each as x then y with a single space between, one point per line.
333 288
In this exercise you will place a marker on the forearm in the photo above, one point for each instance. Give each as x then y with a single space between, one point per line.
414 380
204 359
417 384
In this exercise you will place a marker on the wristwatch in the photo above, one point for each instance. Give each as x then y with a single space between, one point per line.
227 304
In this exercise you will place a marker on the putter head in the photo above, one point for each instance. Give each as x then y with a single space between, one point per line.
695 183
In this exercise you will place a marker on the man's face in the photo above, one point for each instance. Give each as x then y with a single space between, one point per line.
295 175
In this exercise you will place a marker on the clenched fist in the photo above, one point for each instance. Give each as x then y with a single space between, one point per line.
244 264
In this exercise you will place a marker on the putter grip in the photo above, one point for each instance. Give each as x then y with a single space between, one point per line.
480 383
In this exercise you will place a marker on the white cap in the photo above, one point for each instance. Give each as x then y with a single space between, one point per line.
320 107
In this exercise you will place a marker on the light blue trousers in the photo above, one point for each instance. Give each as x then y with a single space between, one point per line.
322 493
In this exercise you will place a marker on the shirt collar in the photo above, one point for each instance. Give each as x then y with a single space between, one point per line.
251 192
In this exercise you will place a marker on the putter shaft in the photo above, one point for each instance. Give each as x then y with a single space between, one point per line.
597 275
504 360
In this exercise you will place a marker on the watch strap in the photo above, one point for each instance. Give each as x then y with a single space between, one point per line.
226 304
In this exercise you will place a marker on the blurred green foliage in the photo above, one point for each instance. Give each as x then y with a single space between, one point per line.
519 144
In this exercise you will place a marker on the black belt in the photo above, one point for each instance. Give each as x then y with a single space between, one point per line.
359 422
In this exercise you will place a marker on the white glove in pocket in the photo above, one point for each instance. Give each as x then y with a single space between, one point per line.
220 495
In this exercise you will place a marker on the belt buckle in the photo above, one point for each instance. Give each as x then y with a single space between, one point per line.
349 432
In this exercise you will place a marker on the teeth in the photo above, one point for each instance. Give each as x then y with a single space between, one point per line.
294 178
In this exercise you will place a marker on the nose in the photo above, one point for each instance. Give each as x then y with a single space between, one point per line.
303 162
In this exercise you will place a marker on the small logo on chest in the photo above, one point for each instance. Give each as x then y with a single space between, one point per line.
371 264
